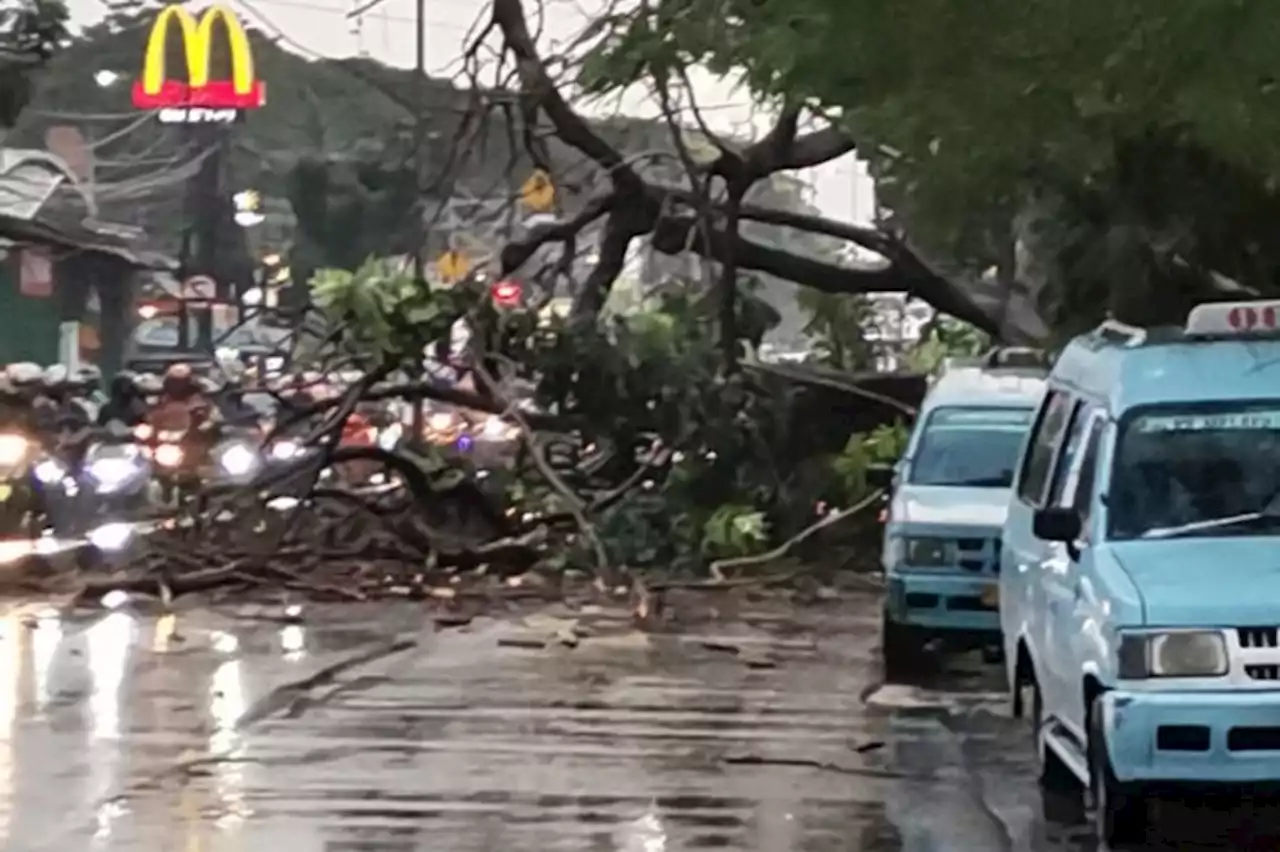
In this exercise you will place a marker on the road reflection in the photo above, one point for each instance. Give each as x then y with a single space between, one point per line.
110 643
227 704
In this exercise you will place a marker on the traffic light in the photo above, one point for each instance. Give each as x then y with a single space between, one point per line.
507 294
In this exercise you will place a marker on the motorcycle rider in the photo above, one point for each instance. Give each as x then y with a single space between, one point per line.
125 402
182 404
232 406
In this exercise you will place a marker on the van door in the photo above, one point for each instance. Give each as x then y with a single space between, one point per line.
1075 618
1022 553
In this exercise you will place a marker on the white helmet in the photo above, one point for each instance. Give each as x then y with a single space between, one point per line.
24 373
55 375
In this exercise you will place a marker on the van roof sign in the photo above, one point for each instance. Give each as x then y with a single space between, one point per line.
1229 318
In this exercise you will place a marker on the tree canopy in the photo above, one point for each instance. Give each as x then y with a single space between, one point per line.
1127 143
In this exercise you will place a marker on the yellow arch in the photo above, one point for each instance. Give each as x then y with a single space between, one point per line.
153 67
237 43
197 40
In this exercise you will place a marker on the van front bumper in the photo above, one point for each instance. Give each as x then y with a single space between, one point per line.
1194 737
941 601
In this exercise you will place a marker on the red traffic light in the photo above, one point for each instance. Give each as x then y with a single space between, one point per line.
507 294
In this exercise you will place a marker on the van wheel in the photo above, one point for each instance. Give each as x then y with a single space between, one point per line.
902 647
1054 775
1119 811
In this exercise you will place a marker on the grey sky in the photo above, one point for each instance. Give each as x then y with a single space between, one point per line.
321 27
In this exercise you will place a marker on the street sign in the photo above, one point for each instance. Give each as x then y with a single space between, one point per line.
453 266
538 192
200 287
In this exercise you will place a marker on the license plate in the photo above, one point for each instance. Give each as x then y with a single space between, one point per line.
991 596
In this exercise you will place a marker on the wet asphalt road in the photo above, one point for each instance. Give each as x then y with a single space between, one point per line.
214 731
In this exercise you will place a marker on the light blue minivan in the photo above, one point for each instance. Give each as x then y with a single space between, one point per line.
949 494
1140 584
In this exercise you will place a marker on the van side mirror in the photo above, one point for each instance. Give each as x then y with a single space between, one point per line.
1057 523
880 475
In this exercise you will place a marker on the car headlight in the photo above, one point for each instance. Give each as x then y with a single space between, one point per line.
169 455
238 460
924 552
143 432
13 449
50 472
1178 653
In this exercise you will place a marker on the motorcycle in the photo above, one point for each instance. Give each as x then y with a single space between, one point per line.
187 461
23 479
116 477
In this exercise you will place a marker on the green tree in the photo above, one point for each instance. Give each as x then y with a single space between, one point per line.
1128 141
32 32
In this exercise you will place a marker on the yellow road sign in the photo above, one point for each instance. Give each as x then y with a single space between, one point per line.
453 266
538 192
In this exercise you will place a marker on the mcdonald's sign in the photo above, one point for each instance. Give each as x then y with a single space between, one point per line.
198 98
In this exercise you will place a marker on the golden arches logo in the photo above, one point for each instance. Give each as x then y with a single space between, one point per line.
156 90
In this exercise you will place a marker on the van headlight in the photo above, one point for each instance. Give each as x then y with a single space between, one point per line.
1178 653
918 552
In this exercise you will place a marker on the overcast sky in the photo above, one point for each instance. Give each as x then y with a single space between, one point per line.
386 33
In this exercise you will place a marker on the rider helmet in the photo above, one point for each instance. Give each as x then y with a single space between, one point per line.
56 377
179 381
24 374
89 377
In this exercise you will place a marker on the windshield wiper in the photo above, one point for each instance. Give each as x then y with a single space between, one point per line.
1206 525
1270 510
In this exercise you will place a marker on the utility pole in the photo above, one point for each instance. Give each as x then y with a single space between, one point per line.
419 134
201 210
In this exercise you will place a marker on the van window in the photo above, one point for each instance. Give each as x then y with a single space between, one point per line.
970 447
1060 482
1082 501
1044 445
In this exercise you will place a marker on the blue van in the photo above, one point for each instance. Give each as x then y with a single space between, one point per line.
949 494
1140 585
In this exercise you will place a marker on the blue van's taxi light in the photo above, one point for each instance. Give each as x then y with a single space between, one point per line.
1234 318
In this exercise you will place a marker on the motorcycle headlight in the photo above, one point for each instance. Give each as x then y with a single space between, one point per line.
390 437
50 472
238 460
441 421
168 455
110 472
496 429
1180 653
13 449
285 450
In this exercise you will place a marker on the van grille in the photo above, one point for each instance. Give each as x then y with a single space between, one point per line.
1263 672
1258 637
978 555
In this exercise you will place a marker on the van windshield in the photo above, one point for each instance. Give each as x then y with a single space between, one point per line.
970 447
1197 472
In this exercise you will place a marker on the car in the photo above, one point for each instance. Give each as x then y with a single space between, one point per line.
1139 577
948 497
